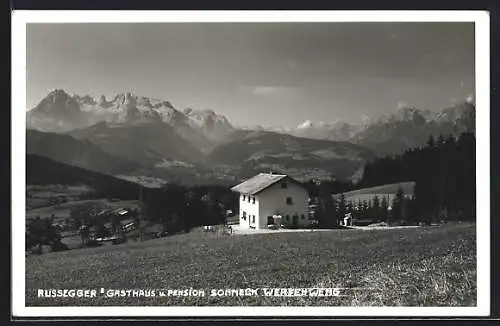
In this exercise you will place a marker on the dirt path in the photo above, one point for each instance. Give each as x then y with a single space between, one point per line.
238 230
384 227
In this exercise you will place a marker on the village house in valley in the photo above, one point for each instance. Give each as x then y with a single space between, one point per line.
268 200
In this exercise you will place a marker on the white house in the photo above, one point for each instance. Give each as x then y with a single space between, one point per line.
269 199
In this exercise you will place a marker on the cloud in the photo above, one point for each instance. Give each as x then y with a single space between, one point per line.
272 91
268 90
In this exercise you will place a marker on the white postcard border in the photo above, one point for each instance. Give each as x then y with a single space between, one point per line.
18 141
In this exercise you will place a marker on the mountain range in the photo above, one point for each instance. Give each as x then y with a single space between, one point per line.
60 112
130 134
392 133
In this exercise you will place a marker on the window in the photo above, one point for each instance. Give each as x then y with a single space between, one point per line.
243 197
270 220
253 200
248 198
289 201
284 185
244 215
253 218
302 217
287 217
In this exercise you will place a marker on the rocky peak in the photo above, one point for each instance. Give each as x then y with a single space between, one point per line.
58 102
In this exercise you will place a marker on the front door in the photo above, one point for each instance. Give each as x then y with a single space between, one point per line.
251 219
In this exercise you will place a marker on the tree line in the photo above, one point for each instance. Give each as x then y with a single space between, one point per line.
401 209
444 172
40 232
180 208
445 185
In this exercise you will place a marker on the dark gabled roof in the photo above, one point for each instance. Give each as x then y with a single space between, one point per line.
125 222
261 182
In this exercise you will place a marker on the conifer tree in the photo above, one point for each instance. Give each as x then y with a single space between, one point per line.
360 208
342 207
397 211
375 208
384 209
327 217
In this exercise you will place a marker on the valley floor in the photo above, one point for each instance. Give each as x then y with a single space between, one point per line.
426 266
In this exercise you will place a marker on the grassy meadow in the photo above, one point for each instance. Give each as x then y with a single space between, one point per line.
427 266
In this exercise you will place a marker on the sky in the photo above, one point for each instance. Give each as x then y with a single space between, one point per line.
267 74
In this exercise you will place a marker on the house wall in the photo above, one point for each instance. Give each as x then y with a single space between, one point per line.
250 209
273 201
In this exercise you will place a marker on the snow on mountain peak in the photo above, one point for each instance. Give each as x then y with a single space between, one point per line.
200 113
58 92
306 124
81 111
204 116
